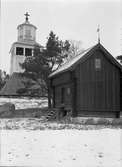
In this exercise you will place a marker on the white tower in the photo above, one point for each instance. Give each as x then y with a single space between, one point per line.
26 41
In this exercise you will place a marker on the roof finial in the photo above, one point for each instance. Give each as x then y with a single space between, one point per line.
98 31
26 14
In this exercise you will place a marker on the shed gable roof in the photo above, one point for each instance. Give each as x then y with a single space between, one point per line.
71 64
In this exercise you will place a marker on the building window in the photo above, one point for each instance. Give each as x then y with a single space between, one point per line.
28 52
19 51
98 63
21 32
28 34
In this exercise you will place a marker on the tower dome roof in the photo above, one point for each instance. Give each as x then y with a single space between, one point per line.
26 23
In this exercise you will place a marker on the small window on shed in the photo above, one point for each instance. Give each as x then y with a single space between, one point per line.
97 63
19 51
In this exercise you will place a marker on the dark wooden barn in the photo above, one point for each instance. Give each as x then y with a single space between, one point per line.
89 84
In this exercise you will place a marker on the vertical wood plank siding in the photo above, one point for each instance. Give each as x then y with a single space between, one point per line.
121 91
98 90
62 81
95 92
67 97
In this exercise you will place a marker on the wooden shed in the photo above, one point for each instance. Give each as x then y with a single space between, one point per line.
90 84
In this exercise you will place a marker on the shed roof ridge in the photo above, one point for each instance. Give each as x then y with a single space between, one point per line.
84 55
70 62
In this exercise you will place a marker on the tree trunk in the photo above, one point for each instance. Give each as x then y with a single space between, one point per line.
49 98
49 93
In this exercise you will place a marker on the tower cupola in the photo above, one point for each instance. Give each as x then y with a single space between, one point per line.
26 31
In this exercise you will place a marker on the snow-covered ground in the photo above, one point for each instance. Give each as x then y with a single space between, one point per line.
61 148
21 103
33 142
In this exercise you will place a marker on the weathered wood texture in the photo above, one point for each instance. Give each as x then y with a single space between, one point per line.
98 90
101 114
121 91
61 79
90 91
66 97
62 82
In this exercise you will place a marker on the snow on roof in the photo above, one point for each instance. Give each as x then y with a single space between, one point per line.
83 55
71 62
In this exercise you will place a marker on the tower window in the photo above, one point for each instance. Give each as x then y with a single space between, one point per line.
28 52
97 63
19 51
28 34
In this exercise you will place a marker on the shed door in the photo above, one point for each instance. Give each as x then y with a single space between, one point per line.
66 96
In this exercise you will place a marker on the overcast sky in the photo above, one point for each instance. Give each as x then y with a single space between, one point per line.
69 19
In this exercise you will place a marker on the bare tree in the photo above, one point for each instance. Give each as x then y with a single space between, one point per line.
119 58
75 48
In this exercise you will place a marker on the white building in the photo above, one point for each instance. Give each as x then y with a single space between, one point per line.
26 41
